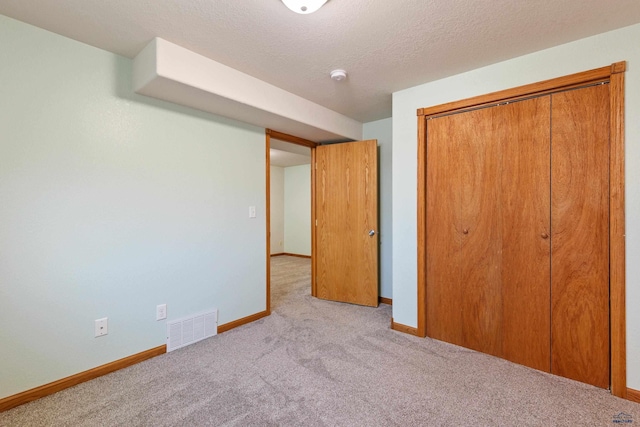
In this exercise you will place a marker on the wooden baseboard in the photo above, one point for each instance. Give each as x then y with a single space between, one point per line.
289 254
633 395
297 255
384 300
56 386
404 328
228 326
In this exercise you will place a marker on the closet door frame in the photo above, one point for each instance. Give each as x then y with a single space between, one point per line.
614 75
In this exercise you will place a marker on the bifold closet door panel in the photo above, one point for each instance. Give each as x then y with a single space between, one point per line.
580 235
481 228
463 231
444 237
523 131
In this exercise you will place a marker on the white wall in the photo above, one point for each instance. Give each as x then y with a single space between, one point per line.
571 58
112 203
382 131
297 210
277 209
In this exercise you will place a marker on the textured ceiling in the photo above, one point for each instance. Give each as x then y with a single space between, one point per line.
385 45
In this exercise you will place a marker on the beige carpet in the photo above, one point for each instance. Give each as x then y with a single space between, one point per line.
319 363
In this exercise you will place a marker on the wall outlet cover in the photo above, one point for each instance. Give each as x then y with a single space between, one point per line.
101 327
161 312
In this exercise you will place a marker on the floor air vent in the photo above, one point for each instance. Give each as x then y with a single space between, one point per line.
188 330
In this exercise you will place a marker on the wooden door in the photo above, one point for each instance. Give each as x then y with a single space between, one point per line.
347 222
480 232
463 252
444 237
523 129
580 235
488 222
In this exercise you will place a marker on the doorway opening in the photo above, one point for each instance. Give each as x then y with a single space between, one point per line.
344 219
289 201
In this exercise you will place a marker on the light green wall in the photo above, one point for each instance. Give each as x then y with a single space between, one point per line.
276 188
382 131
585 54
297 210
112 203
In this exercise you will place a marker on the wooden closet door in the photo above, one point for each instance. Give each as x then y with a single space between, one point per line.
481 228
580 235
463 250
523 131
444 289
488 246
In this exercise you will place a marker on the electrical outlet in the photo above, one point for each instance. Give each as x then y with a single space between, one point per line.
102 326
161 312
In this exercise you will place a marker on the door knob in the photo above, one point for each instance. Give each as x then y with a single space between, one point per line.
372 233
544 235
465 231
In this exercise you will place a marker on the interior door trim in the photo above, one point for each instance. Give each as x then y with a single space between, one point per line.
614 74
290 138
270 133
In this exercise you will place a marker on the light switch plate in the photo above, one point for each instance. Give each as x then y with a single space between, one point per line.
252 211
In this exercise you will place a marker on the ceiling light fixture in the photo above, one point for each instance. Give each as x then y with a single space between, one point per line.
304 6
338 75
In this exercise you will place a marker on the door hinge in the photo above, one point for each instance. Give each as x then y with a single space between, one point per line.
316 222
